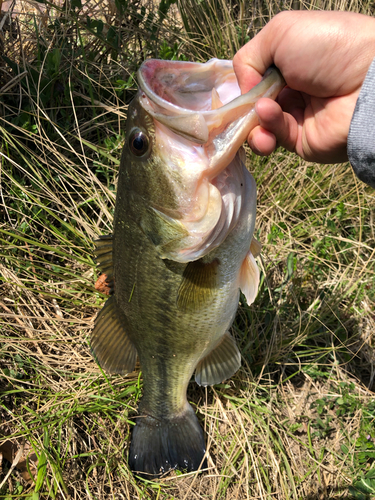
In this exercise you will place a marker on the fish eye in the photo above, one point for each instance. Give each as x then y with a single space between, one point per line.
138 143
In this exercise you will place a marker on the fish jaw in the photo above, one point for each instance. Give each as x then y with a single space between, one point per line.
183 88
202 102
231 124
200 121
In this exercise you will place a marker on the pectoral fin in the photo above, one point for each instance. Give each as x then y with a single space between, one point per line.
255 247
220 364
199 281
110 343
249 277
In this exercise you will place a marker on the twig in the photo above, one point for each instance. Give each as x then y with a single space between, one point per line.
14 464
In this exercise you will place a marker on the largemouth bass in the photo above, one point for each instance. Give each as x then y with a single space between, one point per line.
181 250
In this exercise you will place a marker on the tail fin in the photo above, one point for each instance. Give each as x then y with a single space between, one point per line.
159 445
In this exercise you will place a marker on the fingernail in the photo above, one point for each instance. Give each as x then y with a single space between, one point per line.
254 149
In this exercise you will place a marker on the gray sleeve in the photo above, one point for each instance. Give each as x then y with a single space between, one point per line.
361 138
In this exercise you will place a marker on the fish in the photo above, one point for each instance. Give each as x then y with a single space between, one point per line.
181 250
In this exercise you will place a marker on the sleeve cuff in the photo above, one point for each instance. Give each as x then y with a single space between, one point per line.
361 138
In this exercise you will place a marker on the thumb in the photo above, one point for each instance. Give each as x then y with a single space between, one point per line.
252 60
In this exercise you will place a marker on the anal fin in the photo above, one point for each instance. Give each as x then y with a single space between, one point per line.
110 343
220 364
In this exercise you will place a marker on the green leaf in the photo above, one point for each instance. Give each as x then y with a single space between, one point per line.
290 262
370 474
42 470
76 3
356 494
364 488
344 449
42 463
368 485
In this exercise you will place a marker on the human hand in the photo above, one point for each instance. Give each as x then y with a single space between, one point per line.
324 57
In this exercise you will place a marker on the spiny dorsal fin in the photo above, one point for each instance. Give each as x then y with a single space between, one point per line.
110 343
249 278
103 253
220 364
199 280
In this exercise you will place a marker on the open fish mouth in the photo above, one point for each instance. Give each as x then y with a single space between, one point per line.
201 122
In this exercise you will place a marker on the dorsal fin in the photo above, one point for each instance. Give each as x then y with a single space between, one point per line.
110 343
103 254
199 280
220 364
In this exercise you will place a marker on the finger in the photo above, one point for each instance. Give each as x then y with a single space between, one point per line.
252 60
293 102
261 141
282 125
247 76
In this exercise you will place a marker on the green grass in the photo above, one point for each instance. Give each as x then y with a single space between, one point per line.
297 420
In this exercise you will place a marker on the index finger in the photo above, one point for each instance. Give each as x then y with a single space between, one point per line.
252 60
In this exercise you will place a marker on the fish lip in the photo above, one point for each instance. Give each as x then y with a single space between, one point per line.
149 68
162 82
223 73
166 106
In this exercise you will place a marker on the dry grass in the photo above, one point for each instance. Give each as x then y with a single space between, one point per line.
296 422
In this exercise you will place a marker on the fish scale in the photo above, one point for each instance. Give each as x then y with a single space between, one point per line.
181 250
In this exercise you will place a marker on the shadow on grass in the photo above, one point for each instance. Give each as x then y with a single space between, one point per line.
337 494
296 326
